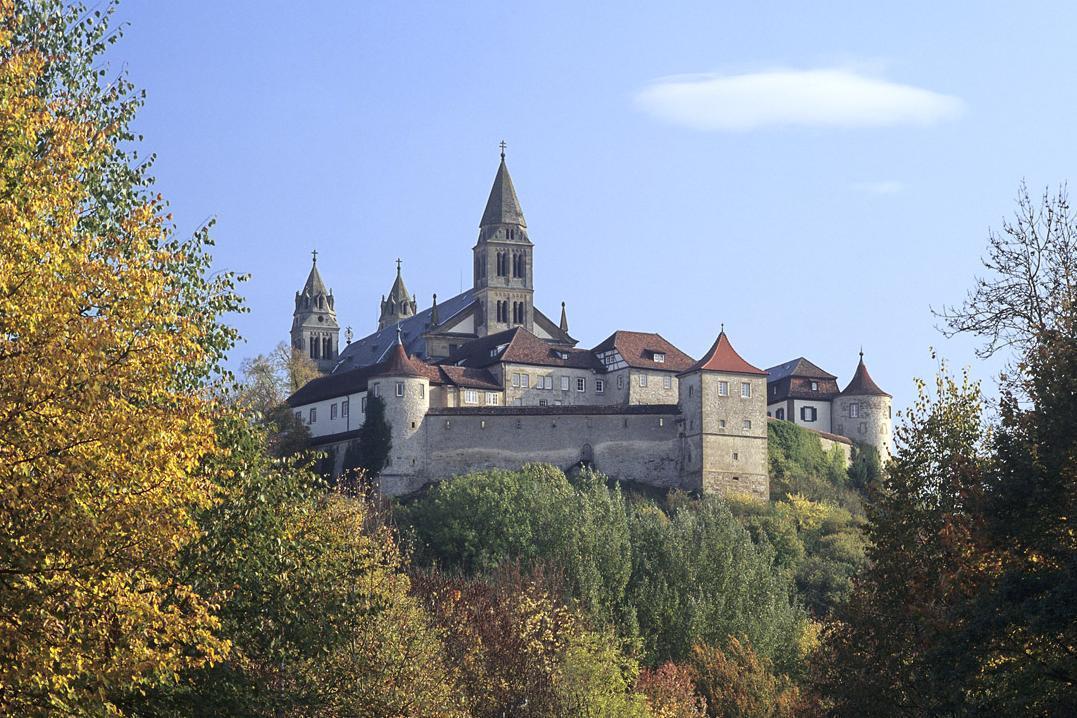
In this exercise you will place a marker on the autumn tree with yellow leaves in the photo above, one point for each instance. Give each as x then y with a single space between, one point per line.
108 335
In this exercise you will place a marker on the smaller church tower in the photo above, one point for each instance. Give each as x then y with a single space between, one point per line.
862 412
399 305
315 331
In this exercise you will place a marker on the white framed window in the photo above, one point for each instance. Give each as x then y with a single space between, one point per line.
299 415
723 388
659 358
313 414
854 410
543 402
547 382
491 398
745 390
400 388
667 382
581 384
621 382
471 396
564 383
344 407
377 391
808 413
643 380
333 411
525 381
422 391
746 425
362 405
815 386
600 386
516 380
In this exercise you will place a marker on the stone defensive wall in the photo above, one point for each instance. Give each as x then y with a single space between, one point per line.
639 443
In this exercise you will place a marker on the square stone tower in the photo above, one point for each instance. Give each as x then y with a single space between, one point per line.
724 405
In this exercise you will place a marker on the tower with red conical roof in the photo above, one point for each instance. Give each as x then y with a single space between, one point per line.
863 412
723 401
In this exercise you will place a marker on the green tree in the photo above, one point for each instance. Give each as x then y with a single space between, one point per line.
312 597
375 441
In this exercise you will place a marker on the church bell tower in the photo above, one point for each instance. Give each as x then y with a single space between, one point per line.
315 331
503 279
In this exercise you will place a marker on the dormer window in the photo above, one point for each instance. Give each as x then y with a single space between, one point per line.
659 358
815 386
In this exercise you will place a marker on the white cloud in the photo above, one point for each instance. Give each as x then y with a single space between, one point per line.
793 98
879 187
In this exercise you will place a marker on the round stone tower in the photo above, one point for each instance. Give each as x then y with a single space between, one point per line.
863 413
405 388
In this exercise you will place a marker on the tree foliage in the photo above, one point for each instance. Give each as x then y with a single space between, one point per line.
108 329
370 452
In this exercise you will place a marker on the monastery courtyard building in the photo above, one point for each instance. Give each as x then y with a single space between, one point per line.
485 379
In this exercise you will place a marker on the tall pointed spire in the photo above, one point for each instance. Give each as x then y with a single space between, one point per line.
399 304
434 319
564 319
503 206
314 285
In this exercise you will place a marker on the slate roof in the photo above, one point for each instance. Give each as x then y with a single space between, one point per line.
314 285
797 367
596 410
503 206
399 293
372 348
638 349
333 385
723 357
862 384
468 378
521 347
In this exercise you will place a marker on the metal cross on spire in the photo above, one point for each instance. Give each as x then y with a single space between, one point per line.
314 254
398 263
502 145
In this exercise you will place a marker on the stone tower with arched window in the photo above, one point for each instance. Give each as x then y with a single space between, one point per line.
503 279
315 332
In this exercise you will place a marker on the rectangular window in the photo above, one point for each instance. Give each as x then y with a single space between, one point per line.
471 396
491 398
525 381
362 406
808 413
736 456
621 382
377 391
721 423
516 380
564 383
600 386
643 380
746 425
313 414
815 386
299 415
400 388
547 382
659 358
422 391
723 388
543 402
745 390
332 411
581 384
344 407
854 410
667 382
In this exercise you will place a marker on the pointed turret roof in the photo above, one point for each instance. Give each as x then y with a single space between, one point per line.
564 319
723 357
862 384
399 293
503 206
315 285
397 362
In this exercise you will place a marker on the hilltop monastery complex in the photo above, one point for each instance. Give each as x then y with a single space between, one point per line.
485 379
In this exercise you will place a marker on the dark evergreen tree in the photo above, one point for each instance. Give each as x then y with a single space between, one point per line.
375 441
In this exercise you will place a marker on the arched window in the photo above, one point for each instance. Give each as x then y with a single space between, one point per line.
314 348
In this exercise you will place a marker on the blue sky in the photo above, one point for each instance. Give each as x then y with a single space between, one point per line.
814 175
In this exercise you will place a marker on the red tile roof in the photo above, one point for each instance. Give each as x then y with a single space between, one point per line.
398 364
862 384
723 357
467 377
638 350
521 347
